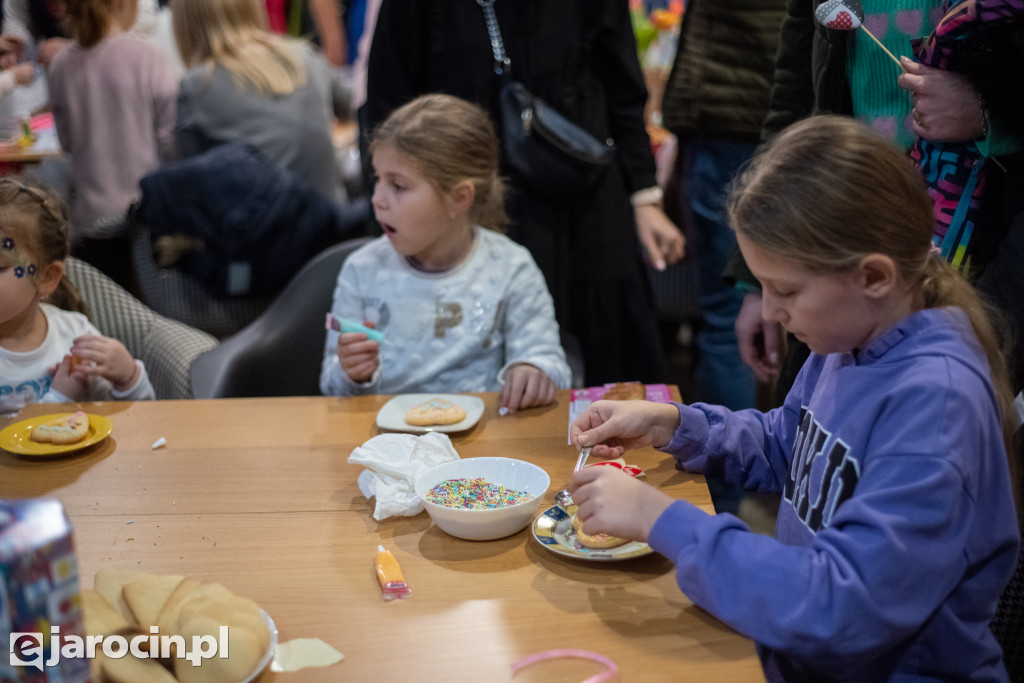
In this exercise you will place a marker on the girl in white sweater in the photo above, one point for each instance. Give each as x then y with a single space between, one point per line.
462 307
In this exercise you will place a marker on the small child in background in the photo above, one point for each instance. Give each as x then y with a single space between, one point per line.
896 532
47 354
113 96
462 307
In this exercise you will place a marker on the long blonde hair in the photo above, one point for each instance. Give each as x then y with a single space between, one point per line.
450 140
829 191
233 34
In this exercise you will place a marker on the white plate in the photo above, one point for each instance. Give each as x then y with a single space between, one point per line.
553 530
392 415
268 656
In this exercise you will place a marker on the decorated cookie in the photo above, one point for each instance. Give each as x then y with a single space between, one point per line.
436 411
62 430
595 540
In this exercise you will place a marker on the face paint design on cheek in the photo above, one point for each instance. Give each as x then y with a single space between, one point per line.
20 267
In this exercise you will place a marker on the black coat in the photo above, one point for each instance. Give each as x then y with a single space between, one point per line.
580 57
258 224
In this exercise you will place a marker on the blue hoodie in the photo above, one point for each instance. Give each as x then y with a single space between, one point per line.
896 532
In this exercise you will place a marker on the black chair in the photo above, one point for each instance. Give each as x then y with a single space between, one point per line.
1008 624
574 356
280 352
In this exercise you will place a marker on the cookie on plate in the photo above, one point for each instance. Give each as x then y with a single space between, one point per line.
436 411
594 540
62 430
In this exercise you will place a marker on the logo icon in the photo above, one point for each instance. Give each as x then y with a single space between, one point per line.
33 650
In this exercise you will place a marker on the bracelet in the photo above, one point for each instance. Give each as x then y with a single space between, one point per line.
647 197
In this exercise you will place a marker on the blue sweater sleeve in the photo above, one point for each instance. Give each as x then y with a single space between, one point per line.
746 448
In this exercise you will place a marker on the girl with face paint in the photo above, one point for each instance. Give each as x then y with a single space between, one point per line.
49 351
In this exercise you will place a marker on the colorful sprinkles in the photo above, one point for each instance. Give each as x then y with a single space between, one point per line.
474 494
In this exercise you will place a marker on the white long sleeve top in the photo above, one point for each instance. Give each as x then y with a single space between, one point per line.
451 332
25 375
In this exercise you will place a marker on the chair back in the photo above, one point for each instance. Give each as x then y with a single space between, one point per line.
281 351
165 346
1008 624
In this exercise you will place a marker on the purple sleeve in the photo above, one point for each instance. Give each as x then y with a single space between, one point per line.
746 448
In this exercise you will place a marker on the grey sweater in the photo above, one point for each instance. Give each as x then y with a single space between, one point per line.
292 131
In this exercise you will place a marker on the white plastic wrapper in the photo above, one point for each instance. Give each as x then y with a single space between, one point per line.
394 462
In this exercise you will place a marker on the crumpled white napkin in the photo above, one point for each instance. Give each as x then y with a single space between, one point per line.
395 461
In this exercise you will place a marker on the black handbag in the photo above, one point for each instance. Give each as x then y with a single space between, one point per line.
556 158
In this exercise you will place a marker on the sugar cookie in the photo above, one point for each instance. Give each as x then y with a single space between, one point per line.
436 411
595 540
63 430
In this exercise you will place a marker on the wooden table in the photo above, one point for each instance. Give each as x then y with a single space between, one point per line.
258 495
46 146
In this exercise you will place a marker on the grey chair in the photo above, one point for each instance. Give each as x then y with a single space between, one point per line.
280 352
180 297
167 347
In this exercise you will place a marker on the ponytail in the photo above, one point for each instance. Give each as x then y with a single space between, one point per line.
941 286
90 20
489 205
67 296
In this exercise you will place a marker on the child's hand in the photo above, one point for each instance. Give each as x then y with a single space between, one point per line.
613 427
359 356
47 50
105 357
71 383
611 502
526 386
12 50
23 73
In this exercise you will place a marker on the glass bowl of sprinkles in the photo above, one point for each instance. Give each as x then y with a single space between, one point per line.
480 499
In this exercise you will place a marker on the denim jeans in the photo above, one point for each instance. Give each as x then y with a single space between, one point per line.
721 375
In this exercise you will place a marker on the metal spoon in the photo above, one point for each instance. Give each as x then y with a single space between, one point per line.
563 498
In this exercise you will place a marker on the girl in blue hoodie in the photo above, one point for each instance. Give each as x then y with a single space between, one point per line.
897 528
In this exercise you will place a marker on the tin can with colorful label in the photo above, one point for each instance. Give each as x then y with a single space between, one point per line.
40 608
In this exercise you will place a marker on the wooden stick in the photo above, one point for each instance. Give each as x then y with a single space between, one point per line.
898 63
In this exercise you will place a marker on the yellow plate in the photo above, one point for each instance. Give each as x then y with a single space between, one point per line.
553 530
17 439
